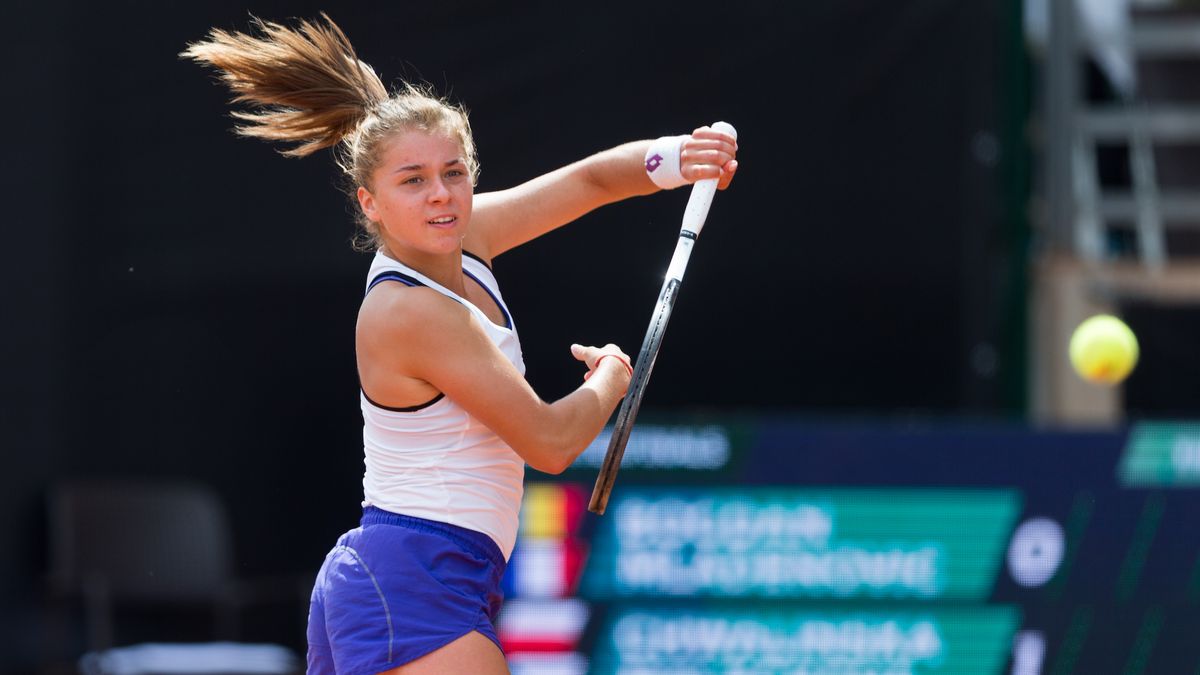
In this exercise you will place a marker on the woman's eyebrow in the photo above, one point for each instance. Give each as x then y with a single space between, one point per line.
415 167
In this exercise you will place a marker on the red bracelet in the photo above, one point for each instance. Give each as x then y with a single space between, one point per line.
623 362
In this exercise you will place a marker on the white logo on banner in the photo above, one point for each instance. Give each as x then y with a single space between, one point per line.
1036 551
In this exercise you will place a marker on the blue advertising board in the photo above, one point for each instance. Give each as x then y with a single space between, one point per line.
768 544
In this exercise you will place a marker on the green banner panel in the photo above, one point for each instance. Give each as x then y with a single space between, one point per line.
799 641
797 543
1161 454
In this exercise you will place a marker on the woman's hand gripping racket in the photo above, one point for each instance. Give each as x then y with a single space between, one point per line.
693 221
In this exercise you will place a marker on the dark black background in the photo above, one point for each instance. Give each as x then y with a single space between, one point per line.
181 303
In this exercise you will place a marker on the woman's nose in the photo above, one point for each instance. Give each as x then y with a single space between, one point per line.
438 191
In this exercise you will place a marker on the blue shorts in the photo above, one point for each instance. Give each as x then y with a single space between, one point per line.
397 588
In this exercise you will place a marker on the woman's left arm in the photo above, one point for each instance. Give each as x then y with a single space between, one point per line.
508 218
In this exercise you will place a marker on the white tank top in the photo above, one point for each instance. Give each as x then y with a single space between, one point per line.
434 460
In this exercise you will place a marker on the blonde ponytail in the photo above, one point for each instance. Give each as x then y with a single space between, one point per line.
308 81
307 87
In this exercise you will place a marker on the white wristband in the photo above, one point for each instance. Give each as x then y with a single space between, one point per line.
662 162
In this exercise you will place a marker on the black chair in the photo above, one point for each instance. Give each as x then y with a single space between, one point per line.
160 547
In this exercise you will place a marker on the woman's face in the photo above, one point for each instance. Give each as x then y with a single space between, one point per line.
420 194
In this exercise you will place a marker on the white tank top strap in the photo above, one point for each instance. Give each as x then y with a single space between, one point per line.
480 270
388 269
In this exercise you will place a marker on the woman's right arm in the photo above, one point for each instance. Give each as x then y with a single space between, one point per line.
421 334
508 218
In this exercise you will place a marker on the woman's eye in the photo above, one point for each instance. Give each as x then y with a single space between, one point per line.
413 180
454 173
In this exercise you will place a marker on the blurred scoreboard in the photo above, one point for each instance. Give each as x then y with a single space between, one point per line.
771 545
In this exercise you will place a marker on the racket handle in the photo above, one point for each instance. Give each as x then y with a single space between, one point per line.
702 193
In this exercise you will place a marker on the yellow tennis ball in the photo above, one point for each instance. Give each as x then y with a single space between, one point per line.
1103 349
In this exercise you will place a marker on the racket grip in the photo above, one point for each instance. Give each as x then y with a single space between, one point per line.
702 193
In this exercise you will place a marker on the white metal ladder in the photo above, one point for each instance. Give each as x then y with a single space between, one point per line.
1140 126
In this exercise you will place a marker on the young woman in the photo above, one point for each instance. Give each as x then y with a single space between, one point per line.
449 420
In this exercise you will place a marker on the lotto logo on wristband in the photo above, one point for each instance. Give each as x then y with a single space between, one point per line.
662 162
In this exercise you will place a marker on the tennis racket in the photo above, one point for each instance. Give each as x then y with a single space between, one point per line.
693 221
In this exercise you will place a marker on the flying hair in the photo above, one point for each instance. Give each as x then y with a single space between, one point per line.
310 85
305 86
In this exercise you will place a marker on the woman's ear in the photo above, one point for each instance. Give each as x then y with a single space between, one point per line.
366 202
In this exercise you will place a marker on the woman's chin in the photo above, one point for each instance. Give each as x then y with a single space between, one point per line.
451 243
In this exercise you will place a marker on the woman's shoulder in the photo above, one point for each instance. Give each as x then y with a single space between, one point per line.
397 309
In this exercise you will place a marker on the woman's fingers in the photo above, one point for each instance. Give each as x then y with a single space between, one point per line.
727 172
709 154
591 355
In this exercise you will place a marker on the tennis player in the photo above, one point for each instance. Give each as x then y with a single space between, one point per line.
449 420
